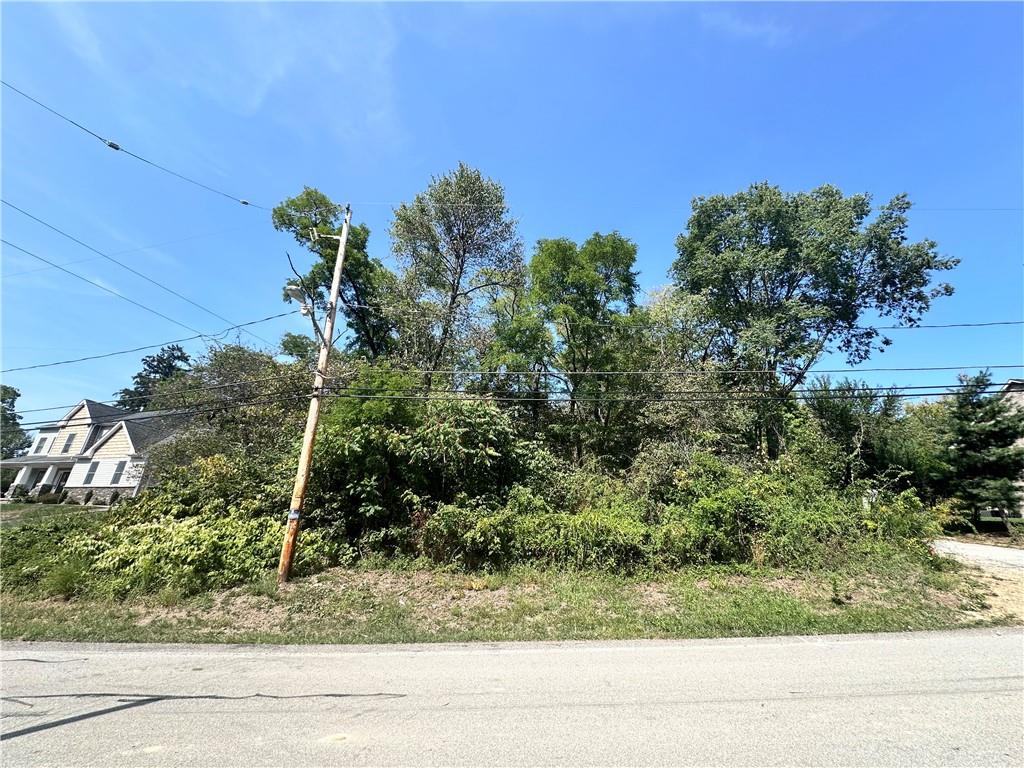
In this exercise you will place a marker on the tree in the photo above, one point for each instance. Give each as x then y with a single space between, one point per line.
169 362
986 459
516 340
788 277
301 348
366 284
918 445
237 402
857 418
588 293
455 239
13 439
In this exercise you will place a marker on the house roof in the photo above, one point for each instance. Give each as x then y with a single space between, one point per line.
144 430
105 413
1014 386
98 413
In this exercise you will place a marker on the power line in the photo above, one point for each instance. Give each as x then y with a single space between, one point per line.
382 308
162 394
213 335
231 404
434 390
137 249
102 287
635 399
121 264
692 395
224 405
117 147
708 372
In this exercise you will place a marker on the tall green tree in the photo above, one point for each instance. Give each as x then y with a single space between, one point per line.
786 278
13 439
456 239
367 285
917 444
516 348
588 294
170 362
986 457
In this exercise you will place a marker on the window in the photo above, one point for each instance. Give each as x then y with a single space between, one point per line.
91 473
40 445
68 443
118 471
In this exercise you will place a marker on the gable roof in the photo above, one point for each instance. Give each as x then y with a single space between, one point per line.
104 413
95 413
143 430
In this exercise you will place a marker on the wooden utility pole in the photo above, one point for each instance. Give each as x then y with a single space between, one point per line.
291 533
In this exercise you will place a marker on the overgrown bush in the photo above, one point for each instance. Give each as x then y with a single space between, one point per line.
455 482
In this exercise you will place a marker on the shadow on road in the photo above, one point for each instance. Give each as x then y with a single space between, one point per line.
132 700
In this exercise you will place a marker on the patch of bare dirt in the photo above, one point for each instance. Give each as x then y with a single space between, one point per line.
434 599
1002 590
654 596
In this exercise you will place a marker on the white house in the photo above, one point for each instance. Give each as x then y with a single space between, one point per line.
95 447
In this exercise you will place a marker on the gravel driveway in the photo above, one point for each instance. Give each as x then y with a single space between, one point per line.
981 554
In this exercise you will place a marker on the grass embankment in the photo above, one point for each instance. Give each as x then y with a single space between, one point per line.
378 605
14 513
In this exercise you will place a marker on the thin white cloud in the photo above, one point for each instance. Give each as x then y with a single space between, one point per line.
336 62
79 33
747 25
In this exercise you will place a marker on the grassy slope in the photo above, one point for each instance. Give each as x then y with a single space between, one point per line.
15 513
382 606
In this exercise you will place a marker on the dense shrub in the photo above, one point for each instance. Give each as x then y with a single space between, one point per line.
375 478
526 529
453 481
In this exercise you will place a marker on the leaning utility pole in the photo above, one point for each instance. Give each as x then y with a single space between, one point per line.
291 533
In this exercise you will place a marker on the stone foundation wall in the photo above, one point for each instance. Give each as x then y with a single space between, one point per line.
100 494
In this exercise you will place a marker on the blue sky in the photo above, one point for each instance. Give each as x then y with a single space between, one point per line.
594 117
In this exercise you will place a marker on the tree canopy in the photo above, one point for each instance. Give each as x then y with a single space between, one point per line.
13 439
986 457
169 362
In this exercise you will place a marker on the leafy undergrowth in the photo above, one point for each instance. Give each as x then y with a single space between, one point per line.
417 604
14 513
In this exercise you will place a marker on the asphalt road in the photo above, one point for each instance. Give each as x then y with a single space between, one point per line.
950 698
981 554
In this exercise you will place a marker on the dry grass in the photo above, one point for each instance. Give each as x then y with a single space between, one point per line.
408 605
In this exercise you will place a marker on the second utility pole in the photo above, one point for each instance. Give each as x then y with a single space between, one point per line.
291 533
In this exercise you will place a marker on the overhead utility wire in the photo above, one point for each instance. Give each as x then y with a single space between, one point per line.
121 264
103 288
358 392
224 405
171 393
881 390
212 335
124 252
708 372
117 147
418 309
